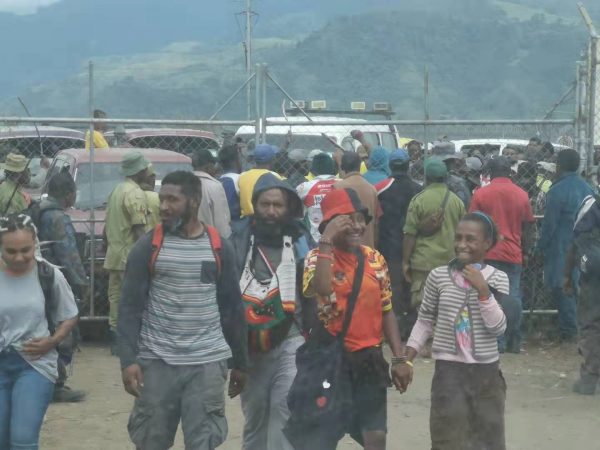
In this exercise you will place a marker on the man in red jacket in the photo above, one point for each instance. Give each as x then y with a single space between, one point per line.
508 205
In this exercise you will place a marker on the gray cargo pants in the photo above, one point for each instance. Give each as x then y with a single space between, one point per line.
264 400
193 394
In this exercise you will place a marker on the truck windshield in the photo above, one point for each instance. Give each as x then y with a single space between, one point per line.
299 141
107 176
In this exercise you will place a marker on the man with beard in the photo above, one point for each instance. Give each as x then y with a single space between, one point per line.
180 320
270 248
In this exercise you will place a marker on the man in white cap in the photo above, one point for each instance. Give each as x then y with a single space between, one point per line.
126 219
12 199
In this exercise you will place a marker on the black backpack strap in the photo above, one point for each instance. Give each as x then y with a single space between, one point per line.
46 278
358 276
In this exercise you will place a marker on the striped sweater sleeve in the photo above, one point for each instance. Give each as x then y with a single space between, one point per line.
431 298
492 314
423 328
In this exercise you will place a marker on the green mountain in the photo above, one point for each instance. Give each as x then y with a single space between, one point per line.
485 59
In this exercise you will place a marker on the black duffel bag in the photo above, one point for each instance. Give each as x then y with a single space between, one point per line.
320 396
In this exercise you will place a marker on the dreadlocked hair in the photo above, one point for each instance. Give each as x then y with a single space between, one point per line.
17 221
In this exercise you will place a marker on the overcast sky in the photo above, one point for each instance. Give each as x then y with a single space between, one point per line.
23 6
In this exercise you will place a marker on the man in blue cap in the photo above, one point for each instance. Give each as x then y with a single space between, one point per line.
395 194
264 154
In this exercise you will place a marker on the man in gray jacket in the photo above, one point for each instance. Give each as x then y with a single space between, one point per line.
214 209
180 321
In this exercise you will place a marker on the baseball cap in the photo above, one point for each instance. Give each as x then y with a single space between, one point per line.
264 153
435 168
399 155
474 163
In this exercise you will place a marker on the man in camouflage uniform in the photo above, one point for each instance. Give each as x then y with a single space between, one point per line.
126 221
456 179
59 246
12 199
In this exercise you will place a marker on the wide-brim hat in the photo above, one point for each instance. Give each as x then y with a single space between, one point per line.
341 202
14 163
133 163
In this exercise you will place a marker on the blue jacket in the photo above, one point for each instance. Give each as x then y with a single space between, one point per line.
562 202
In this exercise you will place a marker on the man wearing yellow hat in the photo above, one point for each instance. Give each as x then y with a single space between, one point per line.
16 170
126 219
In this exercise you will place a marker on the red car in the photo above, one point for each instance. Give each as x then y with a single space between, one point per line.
180 140
107 164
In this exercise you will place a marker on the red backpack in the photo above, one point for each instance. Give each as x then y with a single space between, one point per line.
158 238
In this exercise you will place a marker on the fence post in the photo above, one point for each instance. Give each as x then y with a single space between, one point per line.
425 111
581 123
264 73
92 194
593 116
259 79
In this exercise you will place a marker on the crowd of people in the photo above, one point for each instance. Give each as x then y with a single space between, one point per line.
287 278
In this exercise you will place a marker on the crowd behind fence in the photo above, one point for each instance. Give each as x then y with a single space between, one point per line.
297 138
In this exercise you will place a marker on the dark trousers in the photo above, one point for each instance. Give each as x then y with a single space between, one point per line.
467 407
513 336
589 328
406 314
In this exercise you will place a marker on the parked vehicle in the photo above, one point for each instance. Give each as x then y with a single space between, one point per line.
497 145
179 140
107 175
26 141
324 137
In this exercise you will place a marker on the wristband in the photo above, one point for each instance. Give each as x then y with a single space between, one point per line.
398 360
410 363
484 298
325 256
325 241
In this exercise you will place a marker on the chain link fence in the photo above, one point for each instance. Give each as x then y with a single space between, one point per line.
298 138
298 134
595 104
56 144
532 145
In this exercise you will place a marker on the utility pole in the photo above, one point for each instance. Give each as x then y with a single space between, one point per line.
249 14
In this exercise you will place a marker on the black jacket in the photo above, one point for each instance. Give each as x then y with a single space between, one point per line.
394 195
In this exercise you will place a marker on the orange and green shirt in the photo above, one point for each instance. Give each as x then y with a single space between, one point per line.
374 298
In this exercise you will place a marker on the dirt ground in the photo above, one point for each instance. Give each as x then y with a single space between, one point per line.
541 410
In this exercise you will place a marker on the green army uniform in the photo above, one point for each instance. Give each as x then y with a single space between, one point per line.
153 209
435 250
127 206
18 202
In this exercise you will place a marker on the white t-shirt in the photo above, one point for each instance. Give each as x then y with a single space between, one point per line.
23 316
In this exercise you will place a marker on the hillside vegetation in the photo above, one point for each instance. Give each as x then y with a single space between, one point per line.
492 62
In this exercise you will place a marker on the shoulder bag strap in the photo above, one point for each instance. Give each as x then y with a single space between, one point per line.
157 241
445 201
358 276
